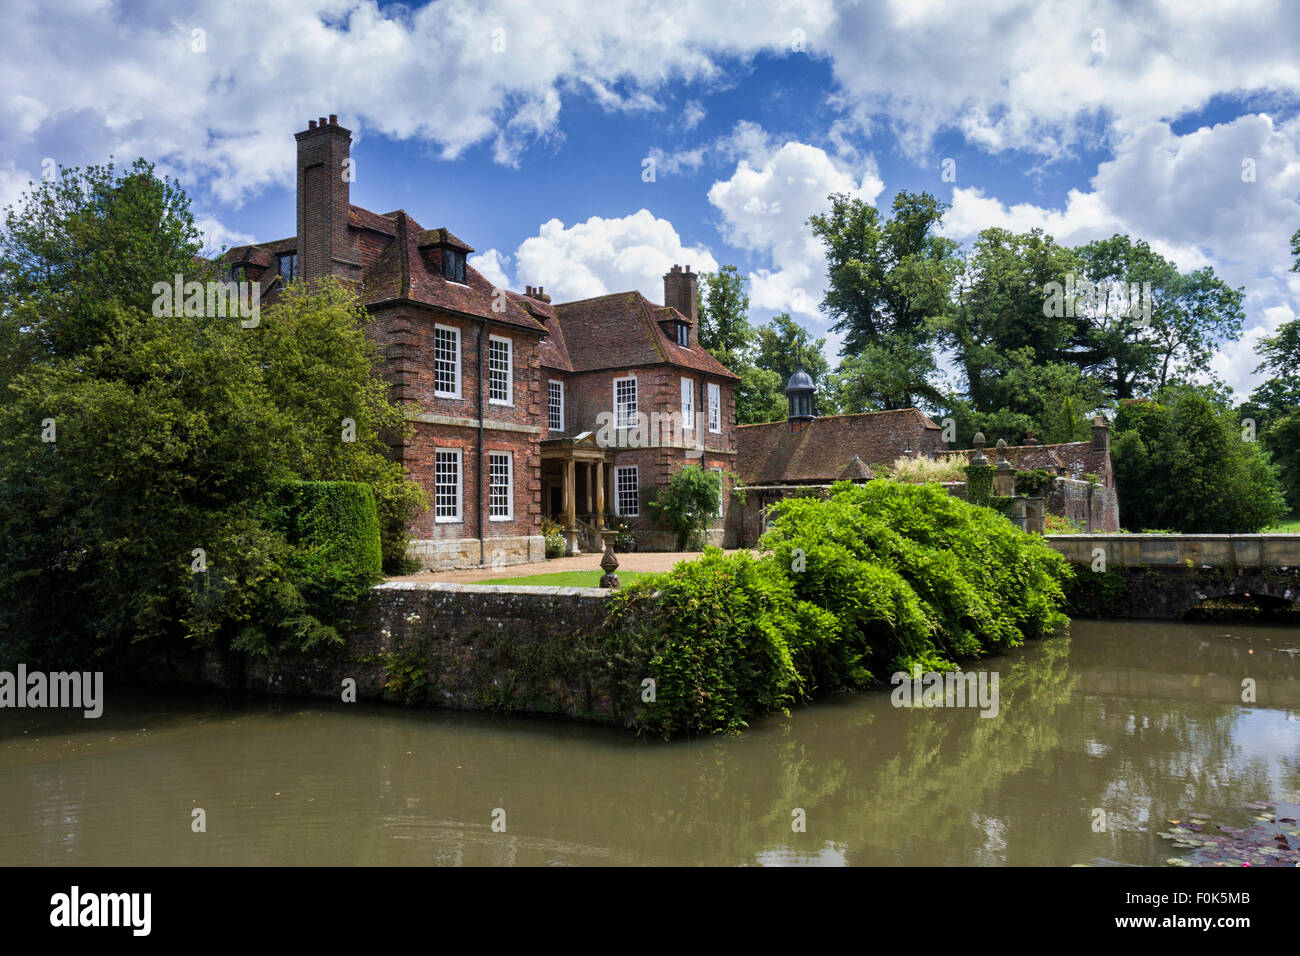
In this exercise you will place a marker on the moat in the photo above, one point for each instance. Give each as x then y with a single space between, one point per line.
1141 720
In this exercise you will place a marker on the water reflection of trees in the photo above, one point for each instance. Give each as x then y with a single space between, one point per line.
363 784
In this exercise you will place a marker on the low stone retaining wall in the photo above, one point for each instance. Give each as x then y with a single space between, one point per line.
453 553
472 647
1185 550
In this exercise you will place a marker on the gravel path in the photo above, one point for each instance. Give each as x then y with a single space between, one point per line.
636 561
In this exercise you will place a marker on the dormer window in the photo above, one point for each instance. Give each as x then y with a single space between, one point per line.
683 335
238 273
288 267
453 265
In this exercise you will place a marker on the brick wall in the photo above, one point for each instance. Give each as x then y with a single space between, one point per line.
588 395
405 335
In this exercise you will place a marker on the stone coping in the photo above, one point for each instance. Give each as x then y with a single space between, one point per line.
533 589
1121 536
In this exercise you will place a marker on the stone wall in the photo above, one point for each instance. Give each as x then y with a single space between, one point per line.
1094 506
1181 550
470 647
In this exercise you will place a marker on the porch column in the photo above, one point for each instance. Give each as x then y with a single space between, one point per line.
589 477
570 521
600 495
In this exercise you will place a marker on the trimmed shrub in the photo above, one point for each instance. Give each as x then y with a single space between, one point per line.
333 527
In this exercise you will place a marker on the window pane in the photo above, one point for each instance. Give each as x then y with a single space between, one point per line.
625 490
688 404
500 488
446 360
625 403
499 370
447 485
555 407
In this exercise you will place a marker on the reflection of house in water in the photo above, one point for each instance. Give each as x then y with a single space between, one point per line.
804 455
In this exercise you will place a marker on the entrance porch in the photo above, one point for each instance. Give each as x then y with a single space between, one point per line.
576 483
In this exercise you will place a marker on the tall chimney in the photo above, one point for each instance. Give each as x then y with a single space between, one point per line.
679 292
324 245
1100 435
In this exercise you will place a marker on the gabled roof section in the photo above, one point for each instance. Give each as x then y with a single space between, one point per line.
402 273
824 448
553 353
855 470
622 329
365 219
442 237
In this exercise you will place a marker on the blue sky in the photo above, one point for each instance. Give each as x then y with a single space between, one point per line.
526 129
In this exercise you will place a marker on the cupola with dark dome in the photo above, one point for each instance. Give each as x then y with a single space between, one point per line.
799 391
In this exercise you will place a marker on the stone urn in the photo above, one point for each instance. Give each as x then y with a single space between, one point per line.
609 562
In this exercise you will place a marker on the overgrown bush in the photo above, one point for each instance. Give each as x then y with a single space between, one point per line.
943 468
1034 482
979 484
869 581
687 503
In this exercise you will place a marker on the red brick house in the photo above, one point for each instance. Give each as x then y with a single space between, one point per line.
506 392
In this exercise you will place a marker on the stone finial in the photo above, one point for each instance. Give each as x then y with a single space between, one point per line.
609 563
979 440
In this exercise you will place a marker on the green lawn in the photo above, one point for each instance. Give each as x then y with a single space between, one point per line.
568 579
1286 526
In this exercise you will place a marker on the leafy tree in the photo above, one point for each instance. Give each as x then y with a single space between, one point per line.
1181 464
688 503
784 347
891 373
888 279
136 449
1275 405
74 249
724 319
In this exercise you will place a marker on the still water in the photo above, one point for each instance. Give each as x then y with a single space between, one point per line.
1141 720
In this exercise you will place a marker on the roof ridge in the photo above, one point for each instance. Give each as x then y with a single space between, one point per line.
606 295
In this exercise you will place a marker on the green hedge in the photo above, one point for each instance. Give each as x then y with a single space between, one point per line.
334 528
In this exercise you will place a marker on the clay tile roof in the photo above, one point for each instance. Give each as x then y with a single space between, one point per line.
365 219
444 237
553 351
855 470
1072 459
622 330
773 454
401 272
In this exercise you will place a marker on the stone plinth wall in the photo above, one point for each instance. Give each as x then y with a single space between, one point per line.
450 553
1094 506
471 647
1163 576
1186 550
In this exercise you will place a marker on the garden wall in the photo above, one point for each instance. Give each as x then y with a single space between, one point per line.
471 647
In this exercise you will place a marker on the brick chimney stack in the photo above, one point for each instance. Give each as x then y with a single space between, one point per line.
324 244
679 292
1100 435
